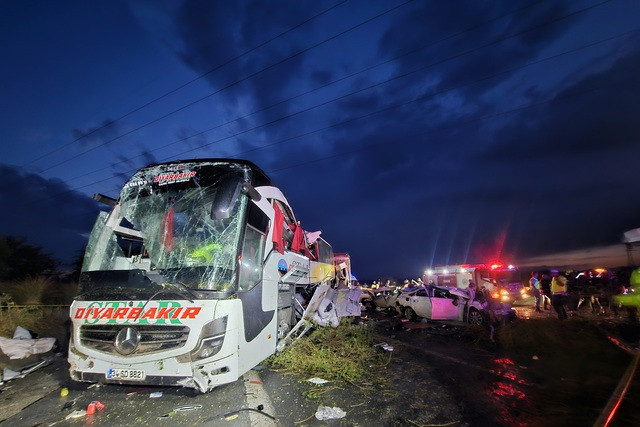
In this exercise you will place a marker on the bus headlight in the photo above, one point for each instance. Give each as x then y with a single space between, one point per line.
211 339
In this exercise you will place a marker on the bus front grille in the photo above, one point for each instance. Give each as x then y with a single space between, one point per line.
153 338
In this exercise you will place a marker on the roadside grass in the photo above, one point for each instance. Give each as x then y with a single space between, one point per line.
345 353
572 364
39 290
43 321
28 303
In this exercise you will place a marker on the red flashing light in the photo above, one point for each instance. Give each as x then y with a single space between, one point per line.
496 266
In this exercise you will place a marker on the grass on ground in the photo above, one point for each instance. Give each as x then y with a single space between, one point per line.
344 353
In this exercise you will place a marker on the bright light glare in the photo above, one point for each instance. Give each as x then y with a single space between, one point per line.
445 271
429 272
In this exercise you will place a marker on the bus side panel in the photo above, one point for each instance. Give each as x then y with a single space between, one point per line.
258 339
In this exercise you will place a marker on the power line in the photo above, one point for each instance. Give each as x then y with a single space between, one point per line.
518 108
439 62
182 86
397 77
229 85
451 125
406 102
324 86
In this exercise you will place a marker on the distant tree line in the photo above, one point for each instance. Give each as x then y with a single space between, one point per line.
20 260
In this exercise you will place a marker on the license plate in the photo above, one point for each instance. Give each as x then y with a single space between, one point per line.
126 374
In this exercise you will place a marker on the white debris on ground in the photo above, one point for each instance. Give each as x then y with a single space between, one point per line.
329 413
22 345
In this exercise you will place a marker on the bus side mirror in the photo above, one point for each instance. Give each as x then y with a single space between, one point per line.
225 198
227 194
252 193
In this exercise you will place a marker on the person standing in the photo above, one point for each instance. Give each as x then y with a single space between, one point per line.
559 293
545 284
534 284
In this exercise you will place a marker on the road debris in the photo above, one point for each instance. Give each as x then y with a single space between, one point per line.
94 406
317 381
76 414
258 410
155 395
384 346
68 405
329 413
22 345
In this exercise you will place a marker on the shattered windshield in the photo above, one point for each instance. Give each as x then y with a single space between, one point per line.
176 223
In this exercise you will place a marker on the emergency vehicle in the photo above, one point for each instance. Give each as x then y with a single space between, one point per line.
503 283
193 277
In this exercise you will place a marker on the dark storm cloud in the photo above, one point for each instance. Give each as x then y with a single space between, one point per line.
98 135
213 34
481 45
45 211
604 105
570 159
436 180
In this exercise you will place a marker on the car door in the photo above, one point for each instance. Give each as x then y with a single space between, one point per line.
421 303
443 309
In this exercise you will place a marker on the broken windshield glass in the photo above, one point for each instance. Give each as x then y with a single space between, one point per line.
168 221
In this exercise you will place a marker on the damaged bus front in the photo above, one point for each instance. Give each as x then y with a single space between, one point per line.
190 279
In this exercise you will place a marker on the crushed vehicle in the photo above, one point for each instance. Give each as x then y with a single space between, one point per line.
450 303
384 298
503 282
196 274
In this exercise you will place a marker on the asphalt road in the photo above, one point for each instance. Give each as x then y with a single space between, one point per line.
434 376
35 400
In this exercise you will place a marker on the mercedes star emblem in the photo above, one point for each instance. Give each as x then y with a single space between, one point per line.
127 340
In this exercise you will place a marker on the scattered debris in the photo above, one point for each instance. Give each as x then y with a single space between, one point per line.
130 391
76 414
155 395
64 392
256 382
329 413
68 405
384 346
22 345
317 381
535 357
96 385
94 406
258 410
9 374
184 408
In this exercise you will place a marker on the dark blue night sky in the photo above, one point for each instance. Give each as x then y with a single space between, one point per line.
411 133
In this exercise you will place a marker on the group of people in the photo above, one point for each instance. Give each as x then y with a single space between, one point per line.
555 293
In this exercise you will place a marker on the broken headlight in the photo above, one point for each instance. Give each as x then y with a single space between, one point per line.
211 339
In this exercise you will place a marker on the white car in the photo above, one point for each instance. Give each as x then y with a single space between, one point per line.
449 303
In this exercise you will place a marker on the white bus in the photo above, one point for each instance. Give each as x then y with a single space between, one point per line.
191 278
